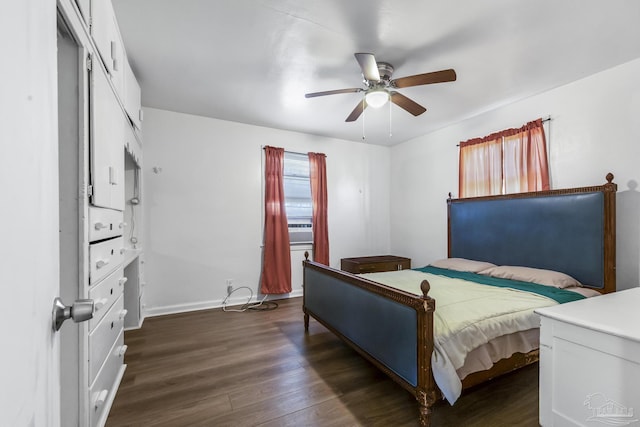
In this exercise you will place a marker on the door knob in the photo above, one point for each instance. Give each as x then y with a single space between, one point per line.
79 311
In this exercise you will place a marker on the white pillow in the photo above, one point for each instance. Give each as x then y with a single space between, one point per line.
462 264
532 275
587 292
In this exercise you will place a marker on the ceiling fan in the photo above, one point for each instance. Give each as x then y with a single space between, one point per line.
380 87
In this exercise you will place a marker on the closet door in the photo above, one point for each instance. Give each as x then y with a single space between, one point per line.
132 96
106 34
107 144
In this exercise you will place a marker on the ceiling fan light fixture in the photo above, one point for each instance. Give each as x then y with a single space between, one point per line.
377 98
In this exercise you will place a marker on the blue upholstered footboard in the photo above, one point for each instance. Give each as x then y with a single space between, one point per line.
383 328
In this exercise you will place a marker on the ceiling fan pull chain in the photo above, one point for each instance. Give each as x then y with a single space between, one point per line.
390 133
363 116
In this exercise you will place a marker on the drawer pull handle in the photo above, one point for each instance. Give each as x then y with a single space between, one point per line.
123 313
122 251
100 398
123 224
99 226
100 303
101 263
122 350
122 280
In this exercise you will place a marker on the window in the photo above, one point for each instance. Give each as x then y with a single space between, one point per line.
297 193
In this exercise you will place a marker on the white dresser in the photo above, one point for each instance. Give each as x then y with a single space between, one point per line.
590 361
106 346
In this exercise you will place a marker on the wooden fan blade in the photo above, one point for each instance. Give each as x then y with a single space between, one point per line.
407 104
332 92
368 65
357 111
425 79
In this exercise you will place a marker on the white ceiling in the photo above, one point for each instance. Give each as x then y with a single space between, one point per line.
252 61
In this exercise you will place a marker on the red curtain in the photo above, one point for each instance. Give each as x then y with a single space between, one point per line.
276 264
480 172
318 177
510 161
525 159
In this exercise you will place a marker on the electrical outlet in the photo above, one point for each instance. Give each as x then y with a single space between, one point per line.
229 286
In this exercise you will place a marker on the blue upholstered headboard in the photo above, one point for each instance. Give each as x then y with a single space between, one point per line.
572 231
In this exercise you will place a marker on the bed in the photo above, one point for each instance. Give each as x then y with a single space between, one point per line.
570 231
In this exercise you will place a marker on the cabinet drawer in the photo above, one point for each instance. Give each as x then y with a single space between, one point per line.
101 339
101 392
383 266
104 295
105 223
105 257
374 264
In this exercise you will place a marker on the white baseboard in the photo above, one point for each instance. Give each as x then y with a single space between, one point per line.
138 326
208 305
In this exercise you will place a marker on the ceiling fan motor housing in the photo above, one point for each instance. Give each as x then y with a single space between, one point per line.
386 70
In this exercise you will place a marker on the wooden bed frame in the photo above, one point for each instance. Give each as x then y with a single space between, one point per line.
571 230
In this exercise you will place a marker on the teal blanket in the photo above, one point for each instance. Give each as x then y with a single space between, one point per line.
558 295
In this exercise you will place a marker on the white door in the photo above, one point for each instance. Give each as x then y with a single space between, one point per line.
29 252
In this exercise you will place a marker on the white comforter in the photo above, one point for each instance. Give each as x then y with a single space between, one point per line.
467 316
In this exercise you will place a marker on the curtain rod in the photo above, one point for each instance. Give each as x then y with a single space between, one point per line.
292 152
546 119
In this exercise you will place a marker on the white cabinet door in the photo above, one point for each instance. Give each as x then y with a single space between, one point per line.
590 361
132 96
118 55
117 158
107 144
106 34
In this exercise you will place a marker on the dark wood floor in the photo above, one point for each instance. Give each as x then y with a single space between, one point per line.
211 368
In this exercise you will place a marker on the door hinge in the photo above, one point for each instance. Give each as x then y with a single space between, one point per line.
89 63
89 190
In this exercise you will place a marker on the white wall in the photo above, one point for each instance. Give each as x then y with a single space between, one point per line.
594 130
203 211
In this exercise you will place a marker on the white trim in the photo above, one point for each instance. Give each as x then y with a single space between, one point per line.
208 305
138 326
